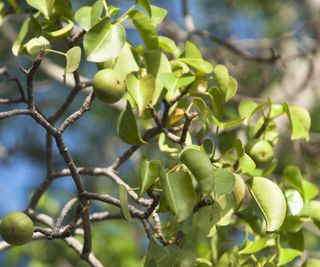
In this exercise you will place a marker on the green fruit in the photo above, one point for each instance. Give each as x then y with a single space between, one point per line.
108 86
16 228
261 151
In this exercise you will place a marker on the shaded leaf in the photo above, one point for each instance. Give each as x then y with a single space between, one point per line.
201 168
224 182
148 172
104 41
83 17
173 83
168 45
123 196
127 127
311 263
126 62
145 4
44 6
246 164
95 13
155 253
270 200
178 192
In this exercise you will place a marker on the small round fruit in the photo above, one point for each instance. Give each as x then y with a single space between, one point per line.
16 228
108 86
260 150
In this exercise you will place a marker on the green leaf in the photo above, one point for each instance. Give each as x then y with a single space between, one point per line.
199 64
2 13
141 90
286 255
255 246
232 89
311 263
173 149
157 14
104 41
299 120
145 4
168 45
178 192
292 175
95 13
221 76
44 6
155 253
203 109
127 127
29 29
148 172
246 108
146 29
157 63
126 62
73 56
217 99
123 195
294 201
191 51
51 30
62 9
224 182
83 17
223 208
173 83
311 210
35 45
201 168
246 164
270 200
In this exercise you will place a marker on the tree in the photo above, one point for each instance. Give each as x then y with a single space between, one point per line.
209 191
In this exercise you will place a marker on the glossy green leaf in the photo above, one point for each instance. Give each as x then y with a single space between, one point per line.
29 29
270 200
127 127
157 63
73 56
35 45
191 51
292 175
173 83
146 29
286 255
311 263
246 164
202 107
199 64
299 120
255 246
221 76
83 17
294 201
157 14
95 12
201 168
104 41
168 45
178 192
123 196
246 108
224 182
141 90
145 4
44 6
126 62
148 172
232 89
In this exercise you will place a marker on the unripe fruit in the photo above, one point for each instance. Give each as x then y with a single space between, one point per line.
108 86
16 228
260 150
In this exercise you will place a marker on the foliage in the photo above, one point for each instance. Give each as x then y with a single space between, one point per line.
197 190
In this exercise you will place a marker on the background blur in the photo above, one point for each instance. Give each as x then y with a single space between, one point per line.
245 35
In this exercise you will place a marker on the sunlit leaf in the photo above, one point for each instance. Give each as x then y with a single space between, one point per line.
286 255
145 4
35 45
146 29
224 182
294 201
126 63
44 6
199 64
270 200
157 14
168 45
73 56
104 41
127 127
255 246
141 90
